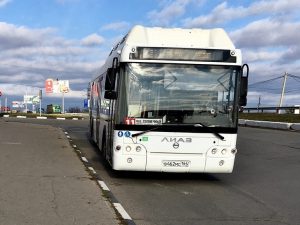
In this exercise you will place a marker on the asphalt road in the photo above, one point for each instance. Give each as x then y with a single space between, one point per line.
43 182
263 189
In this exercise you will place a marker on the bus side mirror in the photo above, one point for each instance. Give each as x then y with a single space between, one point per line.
244 86
110 79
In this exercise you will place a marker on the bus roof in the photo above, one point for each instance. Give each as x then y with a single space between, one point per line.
178 37
157 37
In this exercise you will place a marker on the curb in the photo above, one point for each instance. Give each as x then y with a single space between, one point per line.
295 126
102 185
42 117
268 124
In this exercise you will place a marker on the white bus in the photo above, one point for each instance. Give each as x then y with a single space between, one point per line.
167 100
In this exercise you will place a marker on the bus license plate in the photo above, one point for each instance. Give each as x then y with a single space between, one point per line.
176 163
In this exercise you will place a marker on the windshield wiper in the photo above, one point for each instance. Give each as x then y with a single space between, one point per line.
210 130
143 132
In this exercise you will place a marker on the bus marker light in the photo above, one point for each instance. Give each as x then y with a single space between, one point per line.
129 160
221 163
234 151
118 147
138 148
128 148
214 151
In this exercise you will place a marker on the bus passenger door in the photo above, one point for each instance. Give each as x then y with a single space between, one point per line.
111 96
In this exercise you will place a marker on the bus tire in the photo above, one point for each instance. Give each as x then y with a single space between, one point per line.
91 130
103 146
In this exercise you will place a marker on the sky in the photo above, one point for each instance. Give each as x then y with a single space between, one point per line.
70 40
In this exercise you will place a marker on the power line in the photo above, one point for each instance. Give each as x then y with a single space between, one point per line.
261 82
291 75
296 79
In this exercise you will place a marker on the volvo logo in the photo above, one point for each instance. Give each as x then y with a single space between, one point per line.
176 145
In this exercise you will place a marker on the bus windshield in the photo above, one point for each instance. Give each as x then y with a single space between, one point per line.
169 94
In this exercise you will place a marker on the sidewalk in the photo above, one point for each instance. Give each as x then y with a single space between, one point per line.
42 181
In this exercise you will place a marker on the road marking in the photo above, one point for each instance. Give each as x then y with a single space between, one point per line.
41 117
111 198
92 169
103 185
11 143
122 211
22 117
84 159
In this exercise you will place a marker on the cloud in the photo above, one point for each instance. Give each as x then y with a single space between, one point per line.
274 40
222 13
170 10
30 56
118 26
18 91
271 99
4 2
92 40
290 55
12 36
260 55
267 32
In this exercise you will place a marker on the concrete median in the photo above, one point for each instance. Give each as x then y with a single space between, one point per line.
269 124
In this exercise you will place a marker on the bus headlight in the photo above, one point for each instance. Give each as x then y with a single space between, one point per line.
214 151
128 148
138 148
224 151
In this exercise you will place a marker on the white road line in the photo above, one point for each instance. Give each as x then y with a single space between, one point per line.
66 132
74 146
11 143
92 169
22 117
84 159
68 137
122 211
41 117
103 185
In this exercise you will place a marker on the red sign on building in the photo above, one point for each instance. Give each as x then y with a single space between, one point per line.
49 86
